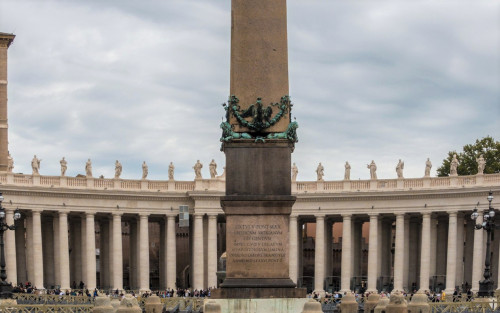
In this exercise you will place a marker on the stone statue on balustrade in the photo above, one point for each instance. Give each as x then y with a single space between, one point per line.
145 170
88 169
399 168
373 170
35 165
213 169
481 164
171 169
454 166
320 172
428 166
295 172
10 163
197 170
64 166
347 172
118 169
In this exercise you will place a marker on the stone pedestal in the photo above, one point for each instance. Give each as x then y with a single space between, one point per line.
382 304
348 304
371 302
397 303
153 304
419 303
103 305
257 205
312 306
129 304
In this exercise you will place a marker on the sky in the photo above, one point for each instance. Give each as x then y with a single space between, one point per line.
144 80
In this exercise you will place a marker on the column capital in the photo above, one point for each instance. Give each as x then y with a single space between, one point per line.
36 212
452 213
143 215
374 215
62 213
212 216
198 215
426 214
319 216
400 214
117 214
347 216
295 217
89 214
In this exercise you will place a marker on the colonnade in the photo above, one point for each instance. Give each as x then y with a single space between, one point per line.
421 246
53 249
56 248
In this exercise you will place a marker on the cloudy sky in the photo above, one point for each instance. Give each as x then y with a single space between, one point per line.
144 80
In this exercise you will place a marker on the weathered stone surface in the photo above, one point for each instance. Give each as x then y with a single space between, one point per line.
259 292
397 303
153 304
259 54
348 304
212 307
312 306
103 305
382 304
259 305
129 305
419 303
371 302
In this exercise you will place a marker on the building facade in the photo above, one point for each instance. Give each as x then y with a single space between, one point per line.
103 231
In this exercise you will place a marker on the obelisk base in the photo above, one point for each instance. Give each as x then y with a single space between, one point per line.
247 305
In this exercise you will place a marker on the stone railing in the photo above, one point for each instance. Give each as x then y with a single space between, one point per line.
219 183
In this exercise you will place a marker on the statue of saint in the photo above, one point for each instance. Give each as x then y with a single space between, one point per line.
145 170
428 166
118 169
197 170
454 166
10 163
64 166
88 169
481 164
347 173
399 168
320 172
373 170
213 169
295 172
35 165
171 169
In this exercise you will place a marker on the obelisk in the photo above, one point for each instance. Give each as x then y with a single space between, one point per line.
5 42
258 139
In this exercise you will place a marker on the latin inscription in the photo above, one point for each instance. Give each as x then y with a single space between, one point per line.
254 243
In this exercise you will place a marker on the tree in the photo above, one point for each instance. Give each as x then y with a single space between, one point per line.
488 147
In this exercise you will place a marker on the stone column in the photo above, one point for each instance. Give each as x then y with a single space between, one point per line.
319 254
10 249
451 266
144 253
212 251
52 261
432 267
90 255
37 250
345 276
63 251
460 250
406 266
293 258
20 233
399 252
198 265
477 258
373 253
117 256
29 247
171 252
425 252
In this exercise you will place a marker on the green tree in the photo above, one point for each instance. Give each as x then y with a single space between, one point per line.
488 147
